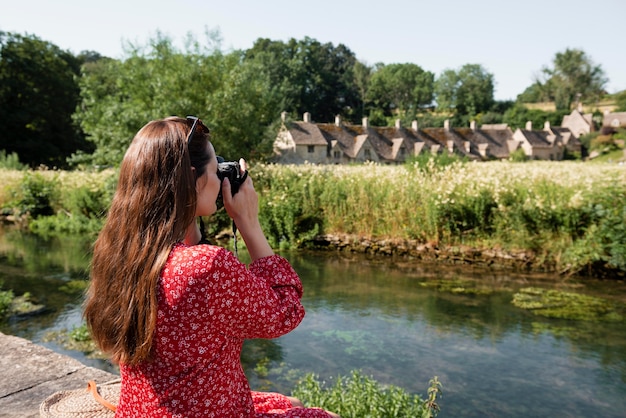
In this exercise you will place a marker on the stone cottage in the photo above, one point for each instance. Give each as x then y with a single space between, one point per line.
341 143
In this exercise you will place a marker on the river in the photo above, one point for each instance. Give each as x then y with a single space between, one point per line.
400 322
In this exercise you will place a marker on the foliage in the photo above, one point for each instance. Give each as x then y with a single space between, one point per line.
159 80
309 76
565 305
433 162
573 77
620 101
518 115
468 91
38 95
571 215
401 89
518 156
34 195
78 338
535 93
287 206
362 396
10 161
79 209
6 298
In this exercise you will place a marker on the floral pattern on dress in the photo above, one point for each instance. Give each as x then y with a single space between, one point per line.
208 303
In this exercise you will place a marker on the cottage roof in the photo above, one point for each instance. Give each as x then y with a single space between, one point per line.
577 115
304 133
615 120
497 139
443 135
349 138
538 139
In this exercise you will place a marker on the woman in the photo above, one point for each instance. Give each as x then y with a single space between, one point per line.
173 313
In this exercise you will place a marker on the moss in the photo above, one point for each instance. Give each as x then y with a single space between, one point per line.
73 287
23 305
465 287
77 339
566 305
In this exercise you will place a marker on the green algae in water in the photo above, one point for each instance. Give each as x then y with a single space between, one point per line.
465 287
78 338
566 305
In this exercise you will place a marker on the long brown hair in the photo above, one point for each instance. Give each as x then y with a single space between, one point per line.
152 208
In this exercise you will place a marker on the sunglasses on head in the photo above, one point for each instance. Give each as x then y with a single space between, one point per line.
195 122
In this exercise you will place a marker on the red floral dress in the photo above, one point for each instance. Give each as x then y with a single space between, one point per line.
209 302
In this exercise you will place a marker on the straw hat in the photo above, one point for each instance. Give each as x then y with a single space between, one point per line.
93 402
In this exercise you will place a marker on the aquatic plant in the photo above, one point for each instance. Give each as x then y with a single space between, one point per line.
566 305
358 396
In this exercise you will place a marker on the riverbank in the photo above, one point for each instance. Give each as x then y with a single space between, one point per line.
31 373
566 217
496 258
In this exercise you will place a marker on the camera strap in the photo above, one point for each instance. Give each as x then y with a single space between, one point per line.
235 239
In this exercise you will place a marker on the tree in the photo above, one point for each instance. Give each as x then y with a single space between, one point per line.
38 95
159 80
468 91
401 89
620 101
362 76
518 115
573 77
310 76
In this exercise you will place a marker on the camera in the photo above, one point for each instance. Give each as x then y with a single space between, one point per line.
232 171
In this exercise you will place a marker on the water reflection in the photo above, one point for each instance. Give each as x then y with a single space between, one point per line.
395 321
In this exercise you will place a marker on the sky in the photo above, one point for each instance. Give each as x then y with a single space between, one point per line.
513 40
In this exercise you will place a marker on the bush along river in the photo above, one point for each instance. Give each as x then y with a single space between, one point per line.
502 344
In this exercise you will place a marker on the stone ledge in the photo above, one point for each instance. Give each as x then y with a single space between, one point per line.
30 373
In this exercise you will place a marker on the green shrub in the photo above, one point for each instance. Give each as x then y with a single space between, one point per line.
6 298
429 162
34 196
360 396
11 161
518 156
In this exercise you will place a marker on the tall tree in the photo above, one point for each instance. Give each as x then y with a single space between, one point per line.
38 95
468 91
401 89
311 76
362 76
159 80
573 77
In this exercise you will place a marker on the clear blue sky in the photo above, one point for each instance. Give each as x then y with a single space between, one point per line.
512 40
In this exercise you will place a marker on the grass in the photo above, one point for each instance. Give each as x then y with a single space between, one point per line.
570 213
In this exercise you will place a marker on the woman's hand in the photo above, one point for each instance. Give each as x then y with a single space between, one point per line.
243 208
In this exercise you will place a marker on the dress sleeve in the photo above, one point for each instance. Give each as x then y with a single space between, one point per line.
262 301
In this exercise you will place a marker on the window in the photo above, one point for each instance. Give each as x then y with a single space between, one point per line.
337 154
311 149
367 152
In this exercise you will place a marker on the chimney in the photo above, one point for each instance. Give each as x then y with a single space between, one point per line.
306 117
283 116
398 124
414 126
338 120
529 125
546 125
579 107
366 123
482 149
446 124
473 125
